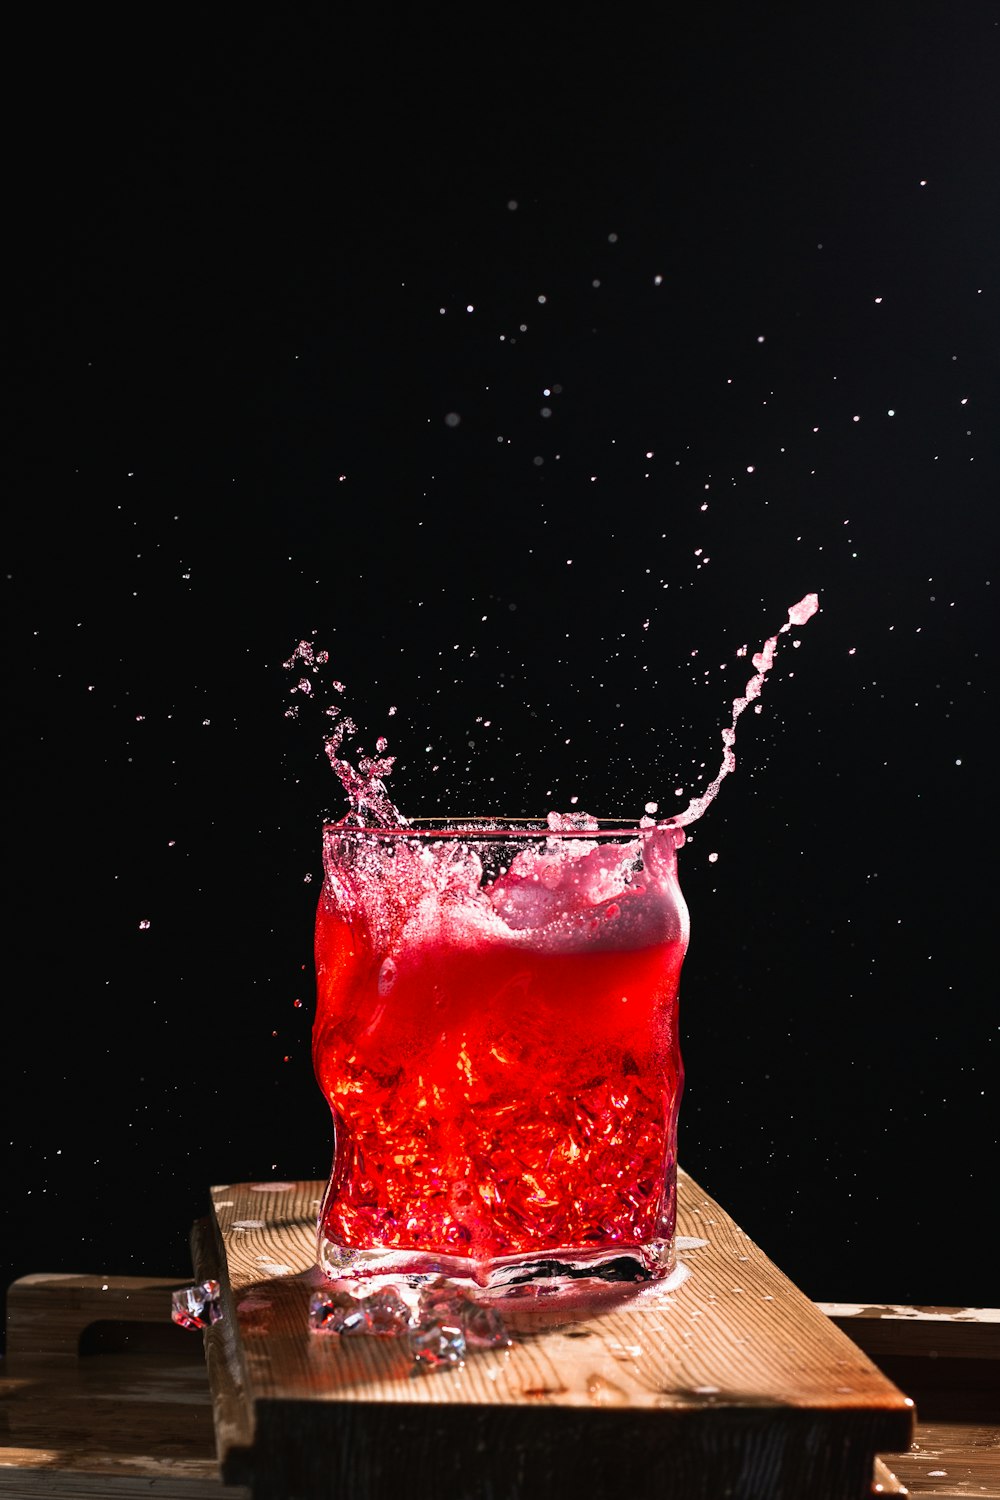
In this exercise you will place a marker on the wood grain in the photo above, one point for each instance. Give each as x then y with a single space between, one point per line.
926 1332
949 1358
46 1313
134 1415
131 1418
729 1382
951 1461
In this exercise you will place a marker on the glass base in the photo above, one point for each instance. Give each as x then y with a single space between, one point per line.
506 1275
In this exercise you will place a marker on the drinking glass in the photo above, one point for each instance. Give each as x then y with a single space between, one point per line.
496 1036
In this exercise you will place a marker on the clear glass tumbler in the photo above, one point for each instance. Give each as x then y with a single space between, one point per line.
496 1036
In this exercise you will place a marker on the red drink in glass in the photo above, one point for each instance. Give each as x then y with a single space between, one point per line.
496 1035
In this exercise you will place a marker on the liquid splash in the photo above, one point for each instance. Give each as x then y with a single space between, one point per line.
365 786
370 803
763 660
365 782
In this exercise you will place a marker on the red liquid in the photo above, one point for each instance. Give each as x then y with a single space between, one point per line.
495 1100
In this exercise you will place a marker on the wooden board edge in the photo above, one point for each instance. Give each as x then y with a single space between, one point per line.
938 1332
231 1411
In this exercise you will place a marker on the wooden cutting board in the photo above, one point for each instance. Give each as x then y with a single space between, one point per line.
728 1381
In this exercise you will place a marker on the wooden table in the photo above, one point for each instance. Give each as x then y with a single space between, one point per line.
732 1382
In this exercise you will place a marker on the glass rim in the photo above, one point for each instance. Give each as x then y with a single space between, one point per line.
499 828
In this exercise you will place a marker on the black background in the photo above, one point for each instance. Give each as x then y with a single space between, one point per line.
246 251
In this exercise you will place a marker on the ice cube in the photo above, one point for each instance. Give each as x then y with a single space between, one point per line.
454 1322
441 1299
437 1336
336 1312
387 1313
437 1341
196 1306
484 1328
549 883
605 873
571 822
523 902
454 867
